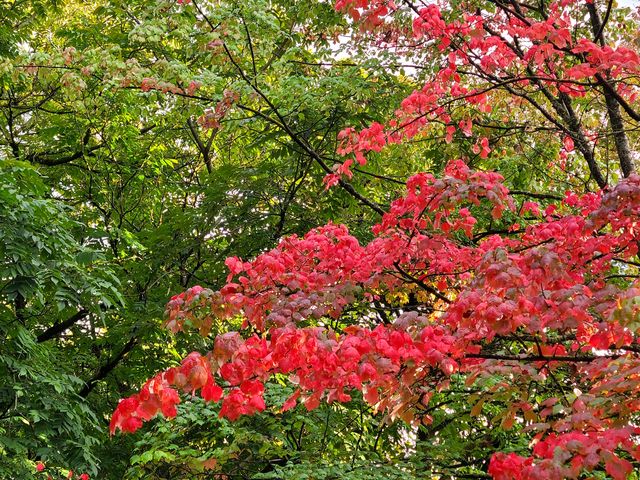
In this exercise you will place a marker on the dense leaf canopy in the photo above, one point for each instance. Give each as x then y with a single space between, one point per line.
351 239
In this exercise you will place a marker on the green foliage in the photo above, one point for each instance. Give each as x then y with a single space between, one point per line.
317 444
42 261
46 275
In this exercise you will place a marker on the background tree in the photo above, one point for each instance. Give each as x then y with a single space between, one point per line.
163 196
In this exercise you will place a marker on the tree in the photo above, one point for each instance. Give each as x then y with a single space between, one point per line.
51 284
527 312
182 133
543 320
163 198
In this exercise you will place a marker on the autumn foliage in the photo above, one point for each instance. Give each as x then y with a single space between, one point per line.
550 284
547 56
41 468
507 295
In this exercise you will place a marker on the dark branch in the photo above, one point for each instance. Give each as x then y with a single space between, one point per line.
107 368
546 196
421 284
55 330
282 123
540 358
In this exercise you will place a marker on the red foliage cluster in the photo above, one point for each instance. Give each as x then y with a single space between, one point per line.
567 455
485 53
40 467
211 117
549 279
157 395
148 84
559 285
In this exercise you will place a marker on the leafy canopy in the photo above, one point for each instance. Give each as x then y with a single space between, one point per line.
529 309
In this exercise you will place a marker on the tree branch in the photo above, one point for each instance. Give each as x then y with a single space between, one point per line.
107 368
57 328
421 284
282 123
540 358
204 149
613 106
